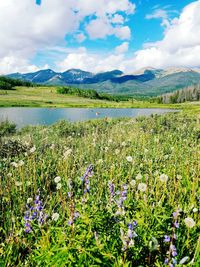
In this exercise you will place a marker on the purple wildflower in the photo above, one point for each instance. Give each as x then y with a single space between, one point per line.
167 238
34 213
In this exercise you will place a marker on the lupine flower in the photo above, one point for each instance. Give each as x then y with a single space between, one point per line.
112 190
189 222
128 239
167 238
173 250
34 213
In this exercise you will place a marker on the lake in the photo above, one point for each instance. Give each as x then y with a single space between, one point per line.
45 116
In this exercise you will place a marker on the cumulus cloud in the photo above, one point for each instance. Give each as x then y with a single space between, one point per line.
84 60
180 45
26 27
123 48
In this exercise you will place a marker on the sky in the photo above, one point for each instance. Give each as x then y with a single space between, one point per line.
99 35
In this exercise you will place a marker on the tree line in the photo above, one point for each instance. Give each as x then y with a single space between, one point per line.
190 93
7 83
90 93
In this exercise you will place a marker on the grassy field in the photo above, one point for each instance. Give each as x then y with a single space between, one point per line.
101 193
48 97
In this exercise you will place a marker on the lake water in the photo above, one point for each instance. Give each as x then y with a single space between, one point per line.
45 116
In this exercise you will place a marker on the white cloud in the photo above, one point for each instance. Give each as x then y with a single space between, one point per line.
26 27
123 48
160 14
80 37
117 19
84 60
123 33
180 45
99 28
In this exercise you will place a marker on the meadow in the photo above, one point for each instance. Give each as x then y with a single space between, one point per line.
110 192
48 96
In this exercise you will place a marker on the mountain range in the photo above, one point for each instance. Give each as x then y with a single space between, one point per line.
144 82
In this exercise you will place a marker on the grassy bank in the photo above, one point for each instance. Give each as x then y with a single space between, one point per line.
137 205
48 97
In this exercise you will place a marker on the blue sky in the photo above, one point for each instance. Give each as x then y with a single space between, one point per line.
107 34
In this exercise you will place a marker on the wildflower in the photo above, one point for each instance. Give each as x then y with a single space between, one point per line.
132 183
167 238
57 179
9 174
33 149
123 143
190 223
184 260
59 185
117 151
55 216
173 250
142 187
106 149
67 153
18 183
176 224
112 190
20 163
129 158
164 178
52 146
29 200
139 176
14 164
195 210
34 213
179 177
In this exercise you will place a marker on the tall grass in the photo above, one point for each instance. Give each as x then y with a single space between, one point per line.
137 205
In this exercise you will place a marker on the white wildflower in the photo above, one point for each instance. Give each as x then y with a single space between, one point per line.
179 177
106 149
163 178
190 223
18 183
59 185
195 210
33 149
9 174
117 151
55 216
110 141
20 163
142 187
14 164
29 200
123 143
52 146
67 153
139 176
57 179
184 260
129 158
132 183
